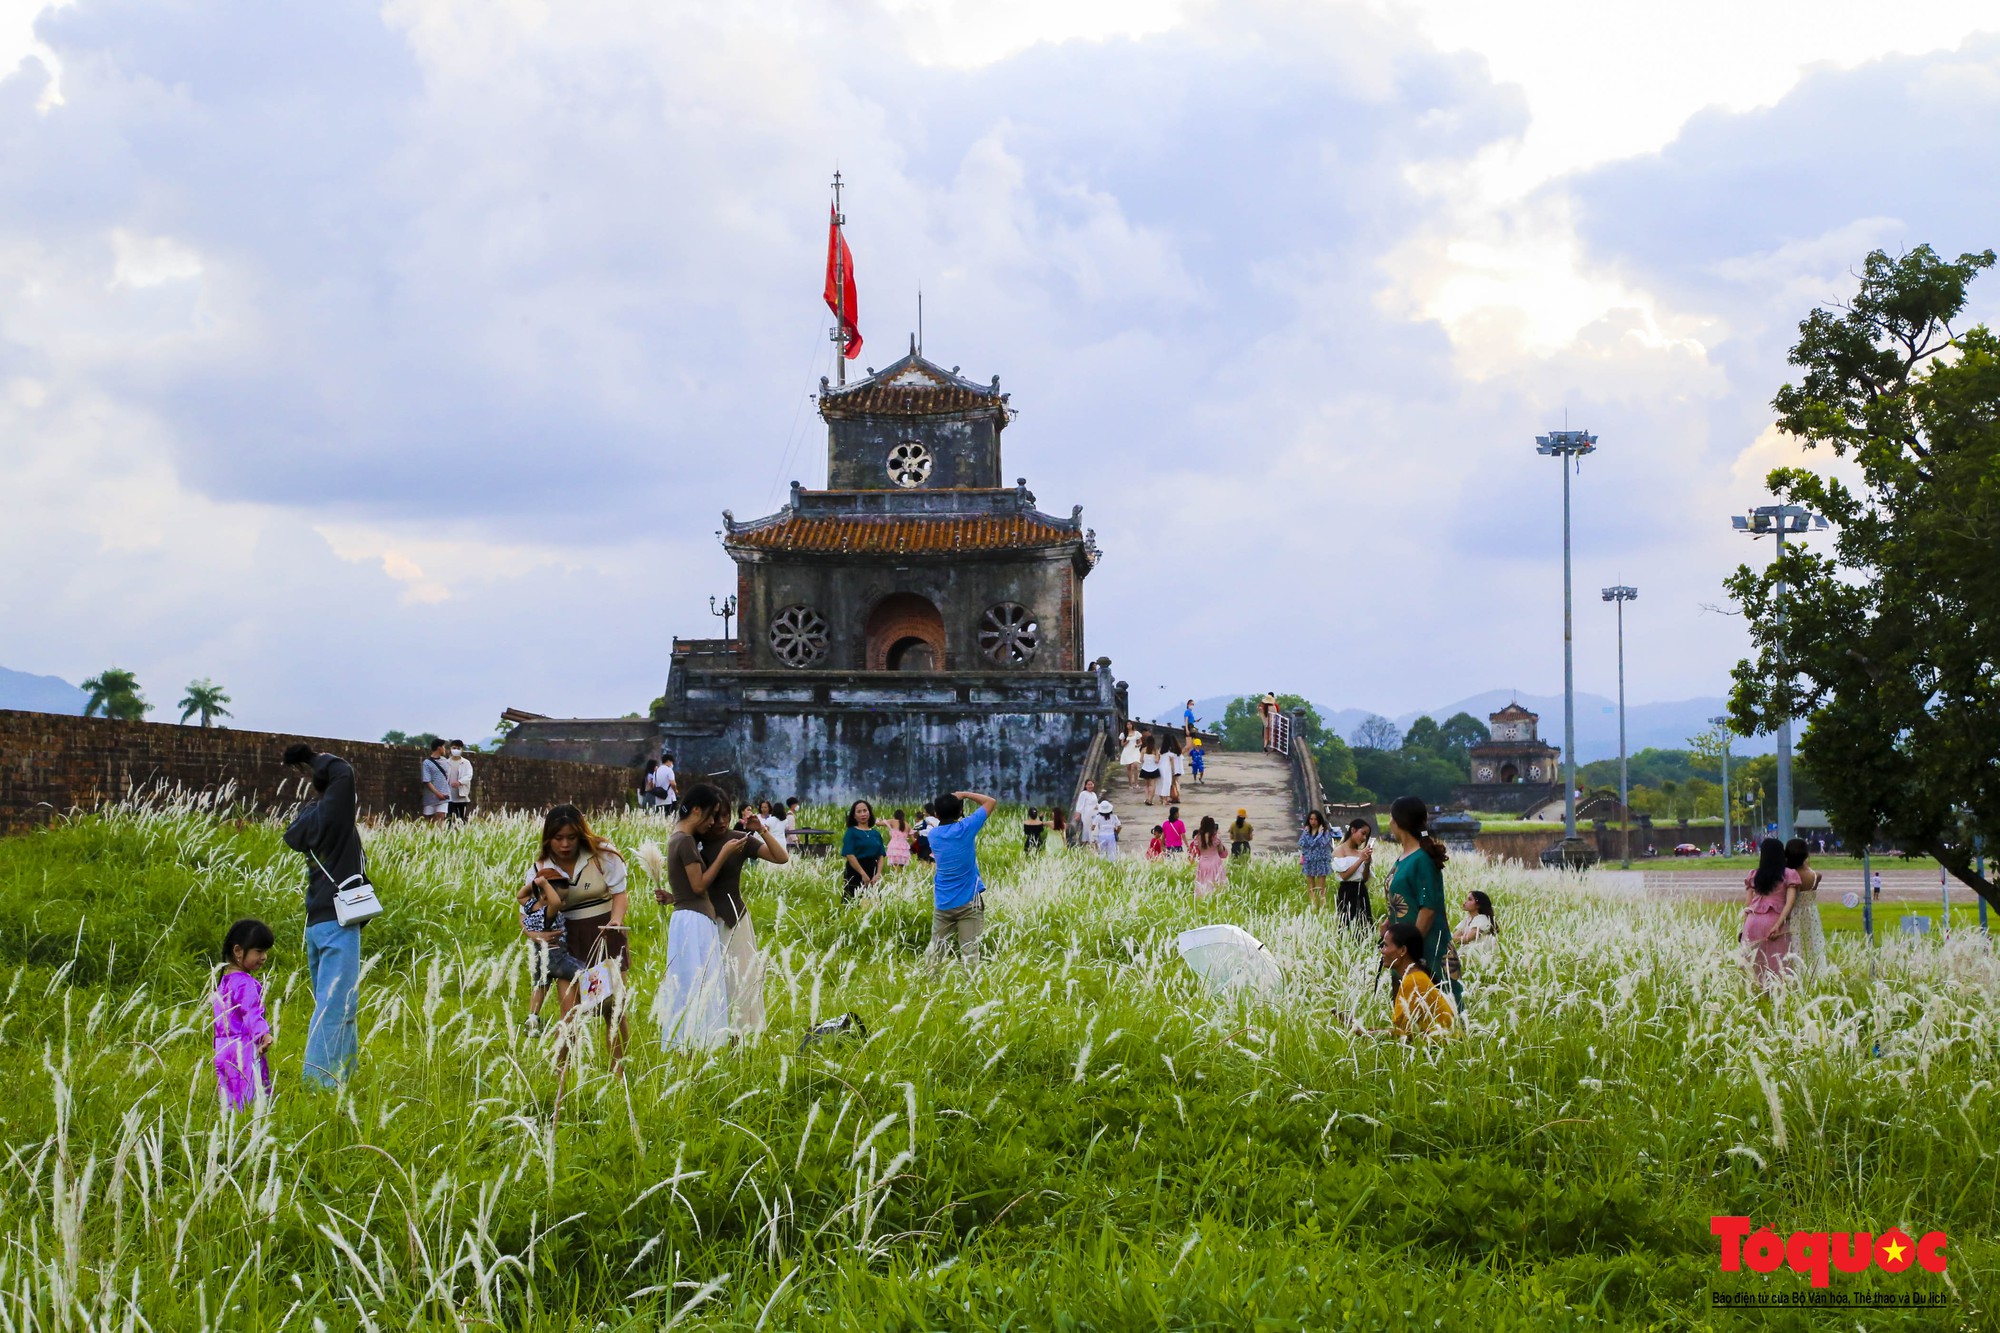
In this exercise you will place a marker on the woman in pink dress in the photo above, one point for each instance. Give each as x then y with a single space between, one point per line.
1211 857
1764 911
242 1036
899 840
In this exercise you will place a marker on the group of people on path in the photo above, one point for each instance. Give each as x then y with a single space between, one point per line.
1782 931
1155 762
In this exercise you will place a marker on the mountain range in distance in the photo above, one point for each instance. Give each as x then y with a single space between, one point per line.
39 694
1662 726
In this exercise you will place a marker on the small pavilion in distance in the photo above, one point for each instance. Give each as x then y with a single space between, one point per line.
1515 771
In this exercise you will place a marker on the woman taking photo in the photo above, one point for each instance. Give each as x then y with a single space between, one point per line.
589 874
1316 855
1353 857
862 849
1416 885
692 1006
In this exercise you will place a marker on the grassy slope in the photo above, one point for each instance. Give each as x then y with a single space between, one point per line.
1073 1137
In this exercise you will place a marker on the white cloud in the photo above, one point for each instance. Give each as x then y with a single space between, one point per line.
394 367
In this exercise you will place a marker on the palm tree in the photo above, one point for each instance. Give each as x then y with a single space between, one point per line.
114 692
205 697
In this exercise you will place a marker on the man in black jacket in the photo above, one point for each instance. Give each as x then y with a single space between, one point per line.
325 831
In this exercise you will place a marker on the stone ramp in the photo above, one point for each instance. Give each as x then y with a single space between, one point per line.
1258 782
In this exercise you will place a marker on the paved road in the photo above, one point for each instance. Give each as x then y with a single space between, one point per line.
1898 885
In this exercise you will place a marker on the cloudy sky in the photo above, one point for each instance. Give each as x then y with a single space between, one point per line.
392 364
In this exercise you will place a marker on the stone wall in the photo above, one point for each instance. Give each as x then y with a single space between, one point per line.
831 736
51 764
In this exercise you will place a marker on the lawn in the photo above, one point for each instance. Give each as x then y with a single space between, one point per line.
1073 1137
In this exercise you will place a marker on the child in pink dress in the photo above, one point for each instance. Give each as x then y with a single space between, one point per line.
1768 892
1211 857
899 840
242 1036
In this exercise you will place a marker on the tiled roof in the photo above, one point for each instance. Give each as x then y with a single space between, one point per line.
939 535
908 400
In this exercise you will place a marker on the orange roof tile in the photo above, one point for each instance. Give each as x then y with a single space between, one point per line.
940 535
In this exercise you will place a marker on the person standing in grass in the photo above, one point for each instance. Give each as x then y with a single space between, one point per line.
1353 857
692 1006
1104 826
1803 923
1173 833
1416 886
742 962
1768 892
242 1033
1034 831
1211 857
898 853
436 777
589 874
958 903
861 851
1316 855
1241 831
460 769
324 831
1086 812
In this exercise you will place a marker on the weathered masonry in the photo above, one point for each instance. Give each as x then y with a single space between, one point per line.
915 627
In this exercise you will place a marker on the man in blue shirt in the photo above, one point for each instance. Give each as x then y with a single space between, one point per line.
958 903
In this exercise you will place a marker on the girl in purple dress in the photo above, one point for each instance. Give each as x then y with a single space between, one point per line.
241 1033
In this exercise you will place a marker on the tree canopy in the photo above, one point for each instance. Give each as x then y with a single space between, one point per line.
206 699
1890 644
114 692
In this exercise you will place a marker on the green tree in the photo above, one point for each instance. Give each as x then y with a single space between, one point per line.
1376 733
1424 736
1240 727
415 740
206 698
1462 731
1890 643
114 692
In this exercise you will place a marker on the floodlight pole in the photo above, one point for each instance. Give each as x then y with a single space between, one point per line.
1776 521
1728 828
1566 445
1621 595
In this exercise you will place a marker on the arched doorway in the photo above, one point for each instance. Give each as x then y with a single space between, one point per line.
905 633
1509 773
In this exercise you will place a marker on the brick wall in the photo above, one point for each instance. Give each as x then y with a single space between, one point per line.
50 764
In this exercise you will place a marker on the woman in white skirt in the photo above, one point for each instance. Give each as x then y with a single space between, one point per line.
1807 931
693 1004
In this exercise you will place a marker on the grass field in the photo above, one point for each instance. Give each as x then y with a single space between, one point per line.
1073 1137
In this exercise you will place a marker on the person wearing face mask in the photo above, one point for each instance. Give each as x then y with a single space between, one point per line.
460 771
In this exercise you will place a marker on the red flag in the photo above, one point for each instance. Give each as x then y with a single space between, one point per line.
840 284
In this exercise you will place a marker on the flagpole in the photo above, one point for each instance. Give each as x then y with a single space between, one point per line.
839 288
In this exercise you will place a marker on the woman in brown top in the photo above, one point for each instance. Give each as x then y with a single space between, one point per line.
589 874
693 1004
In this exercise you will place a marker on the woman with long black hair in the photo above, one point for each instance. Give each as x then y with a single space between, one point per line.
692 1006
861 851
1765 911
1416 885
589 874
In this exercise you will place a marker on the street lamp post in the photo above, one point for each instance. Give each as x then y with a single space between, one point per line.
1567 445
1728 834
1621 595
1777 521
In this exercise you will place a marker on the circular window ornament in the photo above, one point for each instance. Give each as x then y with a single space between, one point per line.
909 464
798 636
1486 774
1008 634
1534 770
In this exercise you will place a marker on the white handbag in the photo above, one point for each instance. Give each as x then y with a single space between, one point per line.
354 900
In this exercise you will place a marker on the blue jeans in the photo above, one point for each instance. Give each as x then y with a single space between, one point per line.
333 958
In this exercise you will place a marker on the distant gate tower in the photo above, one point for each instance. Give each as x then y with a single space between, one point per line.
916 626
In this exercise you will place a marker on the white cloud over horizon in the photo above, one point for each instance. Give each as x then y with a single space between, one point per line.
393 365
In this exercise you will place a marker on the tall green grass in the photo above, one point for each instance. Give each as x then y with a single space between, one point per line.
1074 1136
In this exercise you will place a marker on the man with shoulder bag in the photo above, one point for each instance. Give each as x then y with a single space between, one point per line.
338 900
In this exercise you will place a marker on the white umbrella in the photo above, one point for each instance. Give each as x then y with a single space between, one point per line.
1228 957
